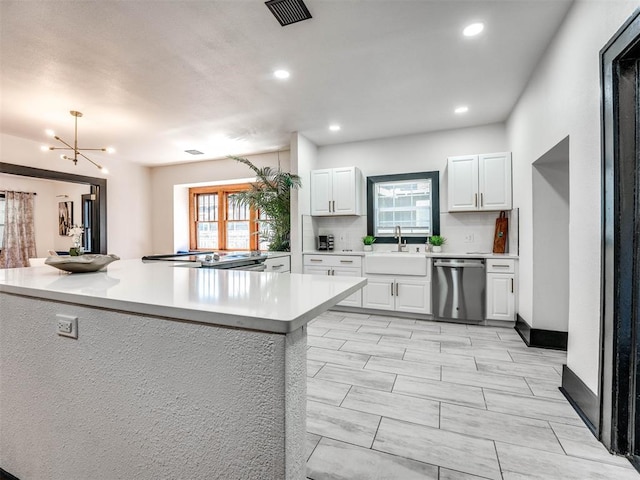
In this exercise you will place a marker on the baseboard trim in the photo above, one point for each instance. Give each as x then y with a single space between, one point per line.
4 475
535 337
582 399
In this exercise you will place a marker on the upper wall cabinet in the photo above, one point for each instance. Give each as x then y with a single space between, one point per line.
480 182
336 191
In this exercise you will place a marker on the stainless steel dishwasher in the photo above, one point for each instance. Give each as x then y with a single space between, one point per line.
459 289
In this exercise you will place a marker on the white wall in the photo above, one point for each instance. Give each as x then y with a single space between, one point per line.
304 158
563 98
170 225
128 192
415 153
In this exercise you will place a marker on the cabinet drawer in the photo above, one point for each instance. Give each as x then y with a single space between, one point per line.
333 260
278 264
501 266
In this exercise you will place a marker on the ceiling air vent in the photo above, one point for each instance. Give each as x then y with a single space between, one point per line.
288 11
194 152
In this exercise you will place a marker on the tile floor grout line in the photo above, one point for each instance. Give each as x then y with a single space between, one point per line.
495 447
557 438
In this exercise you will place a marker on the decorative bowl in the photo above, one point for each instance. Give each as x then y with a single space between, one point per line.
81 263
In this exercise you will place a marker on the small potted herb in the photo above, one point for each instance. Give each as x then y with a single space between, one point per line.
437 241
368 241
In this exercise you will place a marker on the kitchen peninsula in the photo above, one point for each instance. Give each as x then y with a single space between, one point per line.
176 372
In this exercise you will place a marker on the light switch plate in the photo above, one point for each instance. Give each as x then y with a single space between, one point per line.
67 326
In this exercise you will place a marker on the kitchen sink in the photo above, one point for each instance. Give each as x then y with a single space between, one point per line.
396 263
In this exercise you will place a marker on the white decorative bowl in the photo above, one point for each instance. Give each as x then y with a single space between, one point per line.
81 263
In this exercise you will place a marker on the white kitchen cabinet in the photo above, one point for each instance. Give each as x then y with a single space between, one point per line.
278 264
337 191
501 290
398 293
479 182
336 265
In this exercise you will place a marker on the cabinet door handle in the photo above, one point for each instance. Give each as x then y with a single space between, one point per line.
316 259
397 289
346 261
391 288
278 266
329 206
482 199
475 200
501 266
512 285
333 203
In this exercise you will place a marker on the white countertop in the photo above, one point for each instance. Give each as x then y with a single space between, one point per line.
410 250
270 302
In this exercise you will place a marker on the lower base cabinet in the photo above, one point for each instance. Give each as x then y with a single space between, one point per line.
500 297
400 294
336 265
501 290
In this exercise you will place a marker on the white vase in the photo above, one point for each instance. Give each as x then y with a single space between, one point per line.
436 249
368 248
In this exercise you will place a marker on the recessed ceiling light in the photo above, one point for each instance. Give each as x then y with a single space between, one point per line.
462 109
334 128
194 152
473 29
281 74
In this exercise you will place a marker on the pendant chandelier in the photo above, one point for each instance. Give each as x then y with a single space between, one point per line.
76 150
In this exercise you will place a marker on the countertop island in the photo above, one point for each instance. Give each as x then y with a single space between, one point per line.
176 372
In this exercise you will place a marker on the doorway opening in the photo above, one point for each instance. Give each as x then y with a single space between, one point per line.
620 361
550 178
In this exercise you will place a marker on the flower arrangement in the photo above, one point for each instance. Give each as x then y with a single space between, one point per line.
76 231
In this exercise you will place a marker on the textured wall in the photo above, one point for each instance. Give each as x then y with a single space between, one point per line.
146 398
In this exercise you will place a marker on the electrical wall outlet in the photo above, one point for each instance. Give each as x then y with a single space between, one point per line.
67 326
468 238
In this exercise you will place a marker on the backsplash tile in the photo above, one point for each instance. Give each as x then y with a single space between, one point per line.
455 227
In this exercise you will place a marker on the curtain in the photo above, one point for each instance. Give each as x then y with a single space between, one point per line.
19 242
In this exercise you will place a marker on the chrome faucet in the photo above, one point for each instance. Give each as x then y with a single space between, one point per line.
398 235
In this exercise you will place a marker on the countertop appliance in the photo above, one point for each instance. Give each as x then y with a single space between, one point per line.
325 242
459 289
225 260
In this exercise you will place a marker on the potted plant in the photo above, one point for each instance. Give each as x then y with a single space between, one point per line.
437 241
271 195
368 241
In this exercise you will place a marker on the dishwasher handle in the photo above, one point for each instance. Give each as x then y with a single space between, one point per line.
459 264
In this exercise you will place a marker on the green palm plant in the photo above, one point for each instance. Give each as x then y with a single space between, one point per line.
271 195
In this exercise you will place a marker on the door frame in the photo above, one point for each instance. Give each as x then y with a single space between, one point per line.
617 333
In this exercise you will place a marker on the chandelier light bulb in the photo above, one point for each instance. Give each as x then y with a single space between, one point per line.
44 148
50 133
111 150
104 170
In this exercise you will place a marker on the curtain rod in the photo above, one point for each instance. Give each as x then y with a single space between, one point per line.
7 191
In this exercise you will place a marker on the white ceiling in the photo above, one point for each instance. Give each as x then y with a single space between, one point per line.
154 78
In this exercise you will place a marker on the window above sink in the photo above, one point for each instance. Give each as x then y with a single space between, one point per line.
408 200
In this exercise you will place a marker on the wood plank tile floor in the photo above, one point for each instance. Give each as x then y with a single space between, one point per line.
393 398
